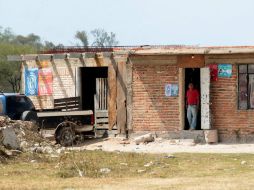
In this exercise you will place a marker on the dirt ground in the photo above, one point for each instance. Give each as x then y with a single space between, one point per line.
162 146
158 146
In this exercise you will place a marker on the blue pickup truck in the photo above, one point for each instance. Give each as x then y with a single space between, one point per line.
17 107
68 125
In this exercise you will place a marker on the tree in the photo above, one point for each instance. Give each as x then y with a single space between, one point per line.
6 35
103 38
30 39
10 71
11 44
49 45
82 36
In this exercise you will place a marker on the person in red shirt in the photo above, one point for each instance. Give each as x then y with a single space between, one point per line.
192 103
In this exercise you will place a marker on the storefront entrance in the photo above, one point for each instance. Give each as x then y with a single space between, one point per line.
192 75
200 77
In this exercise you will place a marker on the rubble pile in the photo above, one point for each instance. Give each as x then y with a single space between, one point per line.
21 136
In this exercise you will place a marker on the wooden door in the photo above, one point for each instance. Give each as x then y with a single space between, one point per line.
101 103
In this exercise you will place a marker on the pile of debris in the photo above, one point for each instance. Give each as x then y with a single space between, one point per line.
21 136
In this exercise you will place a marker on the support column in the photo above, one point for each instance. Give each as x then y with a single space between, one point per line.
182 98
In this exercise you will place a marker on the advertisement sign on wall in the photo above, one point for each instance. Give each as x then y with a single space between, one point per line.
45 82
31 82
171 90
224 70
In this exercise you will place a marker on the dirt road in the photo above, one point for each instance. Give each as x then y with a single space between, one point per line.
163 146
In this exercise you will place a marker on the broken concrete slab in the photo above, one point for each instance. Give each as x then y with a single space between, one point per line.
144 139
9 138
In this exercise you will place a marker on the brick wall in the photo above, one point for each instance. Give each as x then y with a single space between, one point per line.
152 110
232 124
65 78
64 81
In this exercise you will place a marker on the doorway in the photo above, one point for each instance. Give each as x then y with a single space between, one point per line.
88 84
192 75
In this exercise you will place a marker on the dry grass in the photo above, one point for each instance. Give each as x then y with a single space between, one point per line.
185 171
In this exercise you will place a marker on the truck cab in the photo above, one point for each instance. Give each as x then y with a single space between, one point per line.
15 106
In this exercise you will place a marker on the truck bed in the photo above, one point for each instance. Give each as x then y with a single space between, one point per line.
51 119
64 113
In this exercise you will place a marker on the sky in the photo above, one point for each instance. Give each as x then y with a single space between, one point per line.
135 22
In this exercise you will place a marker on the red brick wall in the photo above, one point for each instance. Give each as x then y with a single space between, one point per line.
230 122
152 110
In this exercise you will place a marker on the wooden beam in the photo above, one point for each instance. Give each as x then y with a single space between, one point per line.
14 58
112 69
229 58
29 57
129 67
190 61
195 50
121 96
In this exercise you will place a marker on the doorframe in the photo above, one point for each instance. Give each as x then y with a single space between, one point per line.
182 98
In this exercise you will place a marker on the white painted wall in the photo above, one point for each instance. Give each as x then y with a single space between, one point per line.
205 98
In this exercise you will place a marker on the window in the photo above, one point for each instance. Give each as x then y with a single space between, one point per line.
246 87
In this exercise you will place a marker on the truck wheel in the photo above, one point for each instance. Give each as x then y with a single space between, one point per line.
29 116
65 136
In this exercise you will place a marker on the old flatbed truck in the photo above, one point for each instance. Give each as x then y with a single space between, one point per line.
66 119
69 126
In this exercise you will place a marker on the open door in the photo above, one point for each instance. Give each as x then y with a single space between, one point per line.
101 103
205 98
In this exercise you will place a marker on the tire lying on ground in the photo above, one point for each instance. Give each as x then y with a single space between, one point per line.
29 116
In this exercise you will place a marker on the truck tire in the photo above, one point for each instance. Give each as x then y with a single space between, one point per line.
29 116
65 136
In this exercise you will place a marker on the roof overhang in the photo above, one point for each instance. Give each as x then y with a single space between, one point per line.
194 50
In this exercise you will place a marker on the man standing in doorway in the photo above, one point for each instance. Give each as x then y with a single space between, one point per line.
192 103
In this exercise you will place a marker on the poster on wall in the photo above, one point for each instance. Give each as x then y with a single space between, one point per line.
171 90
224 70
45 82
213 72
31 82
43 64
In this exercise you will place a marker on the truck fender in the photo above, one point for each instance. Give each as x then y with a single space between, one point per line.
62 125
29 116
